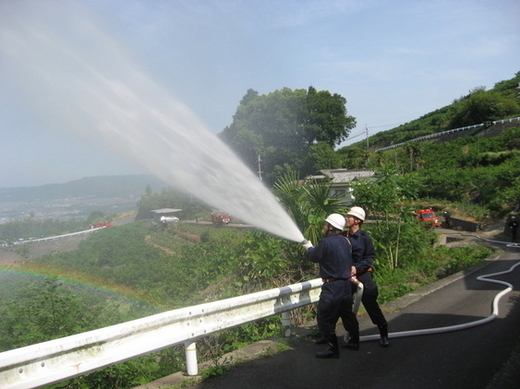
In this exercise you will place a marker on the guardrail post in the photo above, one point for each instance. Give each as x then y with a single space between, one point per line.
191 358
286 323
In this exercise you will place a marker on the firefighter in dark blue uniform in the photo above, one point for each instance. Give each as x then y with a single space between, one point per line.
334 255
363 271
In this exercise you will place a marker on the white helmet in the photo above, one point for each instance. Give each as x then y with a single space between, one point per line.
357 212
336 220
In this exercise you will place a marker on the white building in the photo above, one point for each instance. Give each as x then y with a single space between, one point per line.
341 179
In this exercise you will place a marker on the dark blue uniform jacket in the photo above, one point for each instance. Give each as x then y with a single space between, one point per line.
334 254
364 261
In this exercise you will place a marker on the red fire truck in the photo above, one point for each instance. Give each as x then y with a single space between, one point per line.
428 216
220 218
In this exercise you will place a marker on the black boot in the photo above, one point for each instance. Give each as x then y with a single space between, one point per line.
353 342
321 340
333 350
383 330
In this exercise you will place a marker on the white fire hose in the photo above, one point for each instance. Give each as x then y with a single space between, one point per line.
357 300
359 294
457 327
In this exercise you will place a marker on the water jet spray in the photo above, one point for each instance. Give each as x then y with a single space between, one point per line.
94 90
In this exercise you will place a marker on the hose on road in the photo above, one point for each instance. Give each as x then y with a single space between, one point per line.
494 314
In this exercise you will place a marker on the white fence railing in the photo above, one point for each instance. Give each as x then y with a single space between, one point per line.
45 363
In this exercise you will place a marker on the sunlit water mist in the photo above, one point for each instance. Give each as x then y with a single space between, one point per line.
75 78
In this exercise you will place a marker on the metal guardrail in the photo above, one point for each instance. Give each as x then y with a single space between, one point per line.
45 363
51 237
437 134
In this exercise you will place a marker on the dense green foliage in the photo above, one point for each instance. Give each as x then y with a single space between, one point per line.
399 238
289 130
124 255
166 269
180 266
483 171
406 253
50 310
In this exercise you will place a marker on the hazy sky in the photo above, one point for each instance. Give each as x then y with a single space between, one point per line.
393 61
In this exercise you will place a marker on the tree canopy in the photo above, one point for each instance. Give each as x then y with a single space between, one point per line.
283 126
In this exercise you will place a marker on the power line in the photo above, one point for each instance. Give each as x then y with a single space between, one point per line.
363 132
386 125
355 136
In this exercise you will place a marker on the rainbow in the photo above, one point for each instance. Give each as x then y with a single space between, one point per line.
12 275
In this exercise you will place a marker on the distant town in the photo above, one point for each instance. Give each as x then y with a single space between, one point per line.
76 199
78 208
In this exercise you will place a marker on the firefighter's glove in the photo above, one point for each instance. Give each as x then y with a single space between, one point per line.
306 244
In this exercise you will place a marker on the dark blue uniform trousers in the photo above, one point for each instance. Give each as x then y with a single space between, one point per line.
335 302
369 299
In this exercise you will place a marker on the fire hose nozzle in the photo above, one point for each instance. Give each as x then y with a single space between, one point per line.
307 244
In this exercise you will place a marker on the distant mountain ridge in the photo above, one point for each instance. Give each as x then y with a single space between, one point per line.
92 187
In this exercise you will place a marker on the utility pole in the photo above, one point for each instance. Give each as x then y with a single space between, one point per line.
367 153
366 132
259 167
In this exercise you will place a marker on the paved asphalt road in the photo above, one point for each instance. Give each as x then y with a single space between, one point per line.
466 358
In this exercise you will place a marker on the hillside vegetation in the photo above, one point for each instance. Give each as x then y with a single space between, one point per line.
478 106
482 172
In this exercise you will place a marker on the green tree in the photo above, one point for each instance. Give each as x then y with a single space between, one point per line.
148 191
414 151
398 236
461 169
355 157
323 156
282 126
482 106
325 117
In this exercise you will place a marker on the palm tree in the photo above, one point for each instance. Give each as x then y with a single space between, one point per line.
308 202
